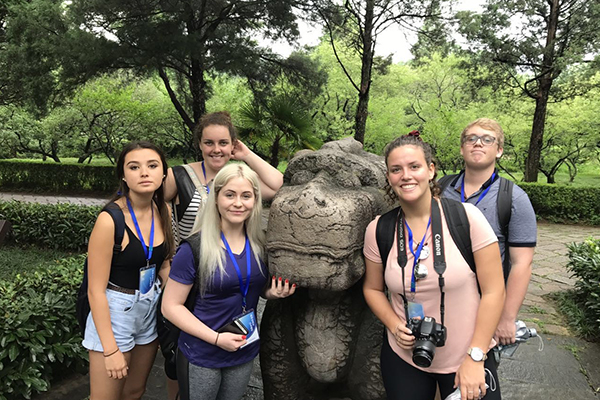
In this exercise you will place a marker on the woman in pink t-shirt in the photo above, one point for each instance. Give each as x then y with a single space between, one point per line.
413 369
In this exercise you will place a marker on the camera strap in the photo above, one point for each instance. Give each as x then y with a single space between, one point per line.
439 260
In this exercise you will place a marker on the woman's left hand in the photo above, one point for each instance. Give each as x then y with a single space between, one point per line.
240 151
470 377
279 289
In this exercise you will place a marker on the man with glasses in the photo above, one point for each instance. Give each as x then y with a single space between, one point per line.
482 143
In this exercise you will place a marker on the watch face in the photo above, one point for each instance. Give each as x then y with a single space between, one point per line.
476 354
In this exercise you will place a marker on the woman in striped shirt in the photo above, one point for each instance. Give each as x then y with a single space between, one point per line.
190 184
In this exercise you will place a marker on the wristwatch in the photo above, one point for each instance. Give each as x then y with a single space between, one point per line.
477 354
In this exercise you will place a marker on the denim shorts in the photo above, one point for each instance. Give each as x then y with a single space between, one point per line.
133 321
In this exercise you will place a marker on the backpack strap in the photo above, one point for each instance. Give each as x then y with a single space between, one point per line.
384 234
460 229
194 242
504 206
116 214
446 181
185 189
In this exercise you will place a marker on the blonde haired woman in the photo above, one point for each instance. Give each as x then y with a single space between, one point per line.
213 362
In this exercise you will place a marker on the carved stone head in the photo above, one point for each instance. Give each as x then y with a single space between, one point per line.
318 218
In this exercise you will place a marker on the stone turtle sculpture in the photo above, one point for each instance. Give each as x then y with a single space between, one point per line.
324 341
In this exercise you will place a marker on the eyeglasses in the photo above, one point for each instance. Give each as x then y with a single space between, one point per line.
486 140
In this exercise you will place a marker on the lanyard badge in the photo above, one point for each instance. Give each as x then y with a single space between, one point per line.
148 272
243 287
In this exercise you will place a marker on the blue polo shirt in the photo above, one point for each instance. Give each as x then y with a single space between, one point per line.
522 228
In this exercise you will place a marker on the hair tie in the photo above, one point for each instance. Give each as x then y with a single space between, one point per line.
119 193
416 134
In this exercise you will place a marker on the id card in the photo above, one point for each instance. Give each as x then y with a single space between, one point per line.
415 310
244 324
147 279
249 321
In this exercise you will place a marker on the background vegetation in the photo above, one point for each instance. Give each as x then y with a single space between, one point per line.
80 78
156 68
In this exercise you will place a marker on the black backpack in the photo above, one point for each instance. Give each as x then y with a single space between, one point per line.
168 334
456 219
83 304
504 204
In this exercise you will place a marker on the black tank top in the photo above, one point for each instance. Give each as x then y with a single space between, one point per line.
125 272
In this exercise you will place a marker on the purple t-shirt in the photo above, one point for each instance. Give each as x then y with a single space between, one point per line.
221 303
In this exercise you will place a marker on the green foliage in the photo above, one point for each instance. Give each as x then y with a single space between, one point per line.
57 226
18 259
571 304
39 334
277 129
583 304
31 35
56 177
561 203
182 41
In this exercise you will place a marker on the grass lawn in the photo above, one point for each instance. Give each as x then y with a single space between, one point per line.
14 259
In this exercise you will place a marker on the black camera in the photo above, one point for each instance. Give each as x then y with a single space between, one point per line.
429 335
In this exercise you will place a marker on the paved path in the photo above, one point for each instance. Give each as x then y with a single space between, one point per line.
568 367
38 198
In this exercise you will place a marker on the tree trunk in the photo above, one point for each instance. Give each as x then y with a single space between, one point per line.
275 152
537 133
549 73
362 109
86 151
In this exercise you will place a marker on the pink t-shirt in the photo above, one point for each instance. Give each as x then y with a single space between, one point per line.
462 297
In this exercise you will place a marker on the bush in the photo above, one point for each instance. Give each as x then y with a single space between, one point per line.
39 334
57 226
584 264
561 203
56 177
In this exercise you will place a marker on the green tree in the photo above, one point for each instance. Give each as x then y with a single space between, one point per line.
31 35
183 40
553 37
278 128
435 35
357 24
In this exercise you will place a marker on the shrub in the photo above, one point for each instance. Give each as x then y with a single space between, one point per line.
584 264
561 203
58 226
39 334
56 177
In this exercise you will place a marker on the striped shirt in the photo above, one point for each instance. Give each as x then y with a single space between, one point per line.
186 223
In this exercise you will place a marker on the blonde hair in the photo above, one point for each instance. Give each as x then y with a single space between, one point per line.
212 255
488 124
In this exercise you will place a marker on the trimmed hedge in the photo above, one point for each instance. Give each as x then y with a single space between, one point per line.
561 203
39 334
59 226
56 177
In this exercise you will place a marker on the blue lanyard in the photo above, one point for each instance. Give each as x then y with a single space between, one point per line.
243 288
416 254
147 251
482 195
205 180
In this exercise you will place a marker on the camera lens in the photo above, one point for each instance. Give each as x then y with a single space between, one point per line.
423 353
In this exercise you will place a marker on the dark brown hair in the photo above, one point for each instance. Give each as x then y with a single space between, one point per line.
159 194
412 139
222 118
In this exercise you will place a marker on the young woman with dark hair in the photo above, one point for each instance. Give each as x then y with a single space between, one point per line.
120 331
434 281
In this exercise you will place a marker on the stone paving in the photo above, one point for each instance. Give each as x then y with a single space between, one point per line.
568 367
550 275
